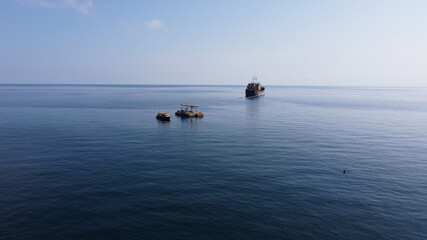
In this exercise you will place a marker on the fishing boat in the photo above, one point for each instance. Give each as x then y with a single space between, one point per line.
189 111
254 88
163 116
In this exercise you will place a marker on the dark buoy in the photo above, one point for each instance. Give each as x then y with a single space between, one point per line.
344 171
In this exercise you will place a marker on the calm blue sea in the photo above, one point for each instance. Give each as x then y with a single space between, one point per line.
77 162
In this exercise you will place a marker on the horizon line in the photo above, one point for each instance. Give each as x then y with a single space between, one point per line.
198 85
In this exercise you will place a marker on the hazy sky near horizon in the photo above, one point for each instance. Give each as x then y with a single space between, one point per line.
318 42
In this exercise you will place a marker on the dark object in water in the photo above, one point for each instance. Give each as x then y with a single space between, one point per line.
344 171
189 111
163 116
254 88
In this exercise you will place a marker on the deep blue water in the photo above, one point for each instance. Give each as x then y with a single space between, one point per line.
77 162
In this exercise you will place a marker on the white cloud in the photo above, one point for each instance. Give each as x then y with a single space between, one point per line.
155 25
82 6
125 26
136 27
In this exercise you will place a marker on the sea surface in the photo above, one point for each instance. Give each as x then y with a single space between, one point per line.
92 162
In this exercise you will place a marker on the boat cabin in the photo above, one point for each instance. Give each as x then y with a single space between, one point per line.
254 85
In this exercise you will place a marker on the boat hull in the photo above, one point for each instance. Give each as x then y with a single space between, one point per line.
163 118
189 114
254 93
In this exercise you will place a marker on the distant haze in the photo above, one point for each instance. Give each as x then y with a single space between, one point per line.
341 43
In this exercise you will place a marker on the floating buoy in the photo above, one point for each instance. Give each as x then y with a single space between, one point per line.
344 171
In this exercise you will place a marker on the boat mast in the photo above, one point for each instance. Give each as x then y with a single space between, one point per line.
254 79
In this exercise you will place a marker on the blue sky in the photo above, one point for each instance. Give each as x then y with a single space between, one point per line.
340 43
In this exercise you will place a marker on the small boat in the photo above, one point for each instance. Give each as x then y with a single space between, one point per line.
189 111
254 88
163 116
